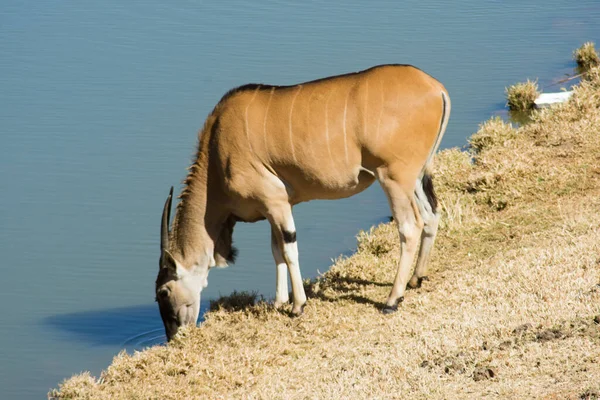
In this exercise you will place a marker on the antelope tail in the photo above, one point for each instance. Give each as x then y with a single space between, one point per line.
443 124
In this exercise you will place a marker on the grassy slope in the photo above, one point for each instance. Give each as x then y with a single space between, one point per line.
508 313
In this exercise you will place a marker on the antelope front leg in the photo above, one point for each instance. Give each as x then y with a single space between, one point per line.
284 230
282 295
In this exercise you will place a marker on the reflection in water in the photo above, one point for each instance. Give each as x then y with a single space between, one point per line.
519 117
132 328
146 339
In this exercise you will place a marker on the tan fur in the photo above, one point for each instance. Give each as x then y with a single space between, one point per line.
400 127
264 149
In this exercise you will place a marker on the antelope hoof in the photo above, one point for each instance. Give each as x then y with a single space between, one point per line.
298 311
392 309
416 282
279 304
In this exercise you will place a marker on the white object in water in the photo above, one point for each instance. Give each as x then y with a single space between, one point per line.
545 99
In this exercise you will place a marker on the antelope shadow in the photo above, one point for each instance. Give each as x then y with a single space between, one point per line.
347 286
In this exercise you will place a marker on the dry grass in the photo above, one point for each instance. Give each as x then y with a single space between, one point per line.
521 96
511 311
586 57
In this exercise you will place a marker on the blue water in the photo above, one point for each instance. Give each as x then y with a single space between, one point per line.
99 108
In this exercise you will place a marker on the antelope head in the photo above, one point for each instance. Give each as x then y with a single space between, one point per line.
177 288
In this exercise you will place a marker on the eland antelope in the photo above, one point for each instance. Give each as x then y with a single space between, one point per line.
265 148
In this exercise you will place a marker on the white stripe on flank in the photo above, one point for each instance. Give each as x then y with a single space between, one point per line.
327 126
309 143
397 111
345 113
290 122
381 108
265 120
246 118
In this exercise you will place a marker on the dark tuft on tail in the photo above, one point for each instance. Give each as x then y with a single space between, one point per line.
430 192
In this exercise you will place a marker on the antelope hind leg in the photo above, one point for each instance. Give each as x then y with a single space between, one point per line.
410 225
428 207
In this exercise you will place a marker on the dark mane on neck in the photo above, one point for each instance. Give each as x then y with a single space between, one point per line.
195 179
246 87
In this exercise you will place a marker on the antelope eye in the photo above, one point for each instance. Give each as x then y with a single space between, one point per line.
162 294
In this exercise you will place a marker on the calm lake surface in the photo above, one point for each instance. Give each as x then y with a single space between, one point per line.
99 108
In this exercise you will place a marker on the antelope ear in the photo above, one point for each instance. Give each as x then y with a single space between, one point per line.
167 260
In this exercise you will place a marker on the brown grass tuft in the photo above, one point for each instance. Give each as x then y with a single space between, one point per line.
521 96
511 310
586 57
494 132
